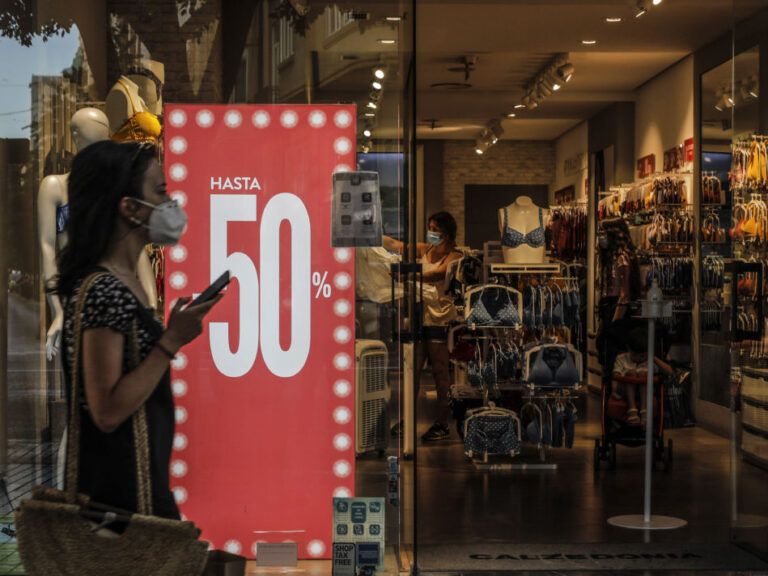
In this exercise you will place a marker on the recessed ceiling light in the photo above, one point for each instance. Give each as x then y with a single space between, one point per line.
393 18
556 86
367 133
612 20
376 85
379 73
656 2
369 115
479 151
518 106
372 105
589 42
511 114
386 41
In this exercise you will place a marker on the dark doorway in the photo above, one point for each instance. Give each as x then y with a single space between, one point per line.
482 203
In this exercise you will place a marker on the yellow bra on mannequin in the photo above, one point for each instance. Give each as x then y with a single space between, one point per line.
141 126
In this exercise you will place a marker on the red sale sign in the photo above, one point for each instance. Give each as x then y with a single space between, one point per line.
265 397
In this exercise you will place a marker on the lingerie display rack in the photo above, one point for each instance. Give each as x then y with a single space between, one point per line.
515 328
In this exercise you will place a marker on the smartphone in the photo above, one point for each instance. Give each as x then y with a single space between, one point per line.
213 290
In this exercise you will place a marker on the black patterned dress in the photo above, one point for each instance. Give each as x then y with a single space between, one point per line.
107 460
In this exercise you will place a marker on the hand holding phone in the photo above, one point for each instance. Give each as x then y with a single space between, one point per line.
213 290
185 322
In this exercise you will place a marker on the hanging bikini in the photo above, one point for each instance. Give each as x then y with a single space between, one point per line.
553 367
490 297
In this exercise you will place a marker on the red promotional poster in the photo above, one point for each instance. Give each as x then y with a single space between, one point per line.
265 397
688 145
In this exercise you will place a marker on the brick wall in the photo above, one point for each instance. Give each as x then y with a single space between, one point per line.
188 43
509 162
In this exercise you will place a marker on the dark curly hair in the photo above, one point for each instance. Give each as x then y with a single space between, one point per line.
102 174
446 222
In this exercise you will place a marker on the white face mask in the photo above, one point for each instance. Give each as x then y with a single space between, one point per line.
167 222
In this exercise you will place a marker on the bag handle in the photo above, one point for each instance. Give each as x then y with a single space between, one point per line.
139 419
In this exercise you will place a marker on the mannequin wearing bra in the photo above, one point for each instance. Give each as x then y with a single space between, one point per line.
129 117
522 228
149 77
87 125
131 121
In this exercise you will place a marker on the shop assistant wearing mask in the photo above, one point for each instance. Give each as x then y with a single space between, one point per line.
435 256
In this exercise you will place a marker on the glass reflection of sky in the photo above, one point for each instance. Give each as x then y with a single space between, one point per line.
17 66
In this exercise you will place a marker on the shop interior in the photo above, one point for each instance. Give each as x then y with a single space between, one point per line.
627 133
593 154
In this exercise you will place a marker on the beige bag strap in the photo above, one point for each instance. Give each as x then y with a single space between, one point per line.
140 430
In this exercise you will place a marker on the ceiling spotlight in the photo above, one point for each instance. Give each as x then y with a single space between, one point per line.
511 114
372 105
496 130
565 72
379 72
370 114
544 90
393 18
386 41
641 9
518 106
744 91
657 2
367 133
613 20
754 93
376 85
589 42
718 108
479 151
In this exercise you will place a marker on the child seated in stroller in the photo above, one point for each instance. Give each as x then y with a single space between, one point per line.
629 377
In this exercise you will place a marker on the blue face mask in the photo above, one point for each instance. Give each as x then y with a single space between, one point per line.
434 238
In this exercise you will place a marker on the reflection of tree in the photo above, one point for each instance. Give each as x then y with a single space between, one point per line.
18 20
299 13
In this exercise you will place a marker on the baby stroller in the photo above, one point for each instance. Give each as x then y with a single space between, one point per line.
616 431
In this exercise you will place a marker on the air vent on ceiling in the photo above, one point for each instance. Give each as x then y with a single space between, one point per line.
359 15
451 85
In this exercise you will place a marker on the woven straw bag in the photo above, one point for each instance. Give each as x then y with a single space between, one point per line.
62 533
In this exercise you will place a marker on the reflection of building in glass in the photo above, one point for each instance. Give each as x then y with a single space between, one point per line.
54 100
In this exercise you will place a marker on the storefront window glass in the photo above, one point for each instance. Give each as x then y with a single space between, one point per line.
272 114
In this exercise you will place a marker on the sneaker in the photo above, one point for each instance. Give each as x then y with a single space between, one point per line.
436 432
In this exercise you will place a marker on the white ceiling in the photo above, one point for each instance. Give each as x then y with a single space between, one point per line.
512 39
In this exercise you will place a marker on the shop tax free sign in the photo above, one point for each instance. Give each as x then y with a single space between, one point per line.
265 396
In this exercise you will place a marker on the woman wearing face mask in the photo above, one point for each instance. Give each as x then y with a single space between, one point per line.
435 255
118 204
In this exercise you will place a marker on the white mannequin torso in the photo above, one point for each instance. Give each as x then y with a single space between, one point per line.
146 87
88 125
522 215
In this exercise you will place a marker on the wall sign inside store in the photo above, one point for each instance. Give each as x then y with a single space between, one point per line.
674 158
264 399
646 166
688 145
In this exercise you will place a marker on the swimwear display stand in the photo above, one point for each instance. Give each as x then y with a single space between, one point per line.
653 309
493 269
